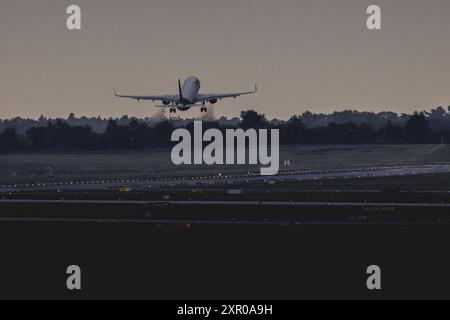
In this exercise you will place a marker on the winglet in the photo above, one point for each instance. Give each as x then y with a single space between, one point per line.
256 87
115 92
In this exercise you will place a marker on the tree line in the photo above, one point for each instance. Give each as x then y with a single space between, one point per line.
439 119
60 136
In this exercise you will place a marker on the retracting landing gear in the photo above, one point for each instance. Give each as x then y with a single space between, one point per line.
203 108
173 110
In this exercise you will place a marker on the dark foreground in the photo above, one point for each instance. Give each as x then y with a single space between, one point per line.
142 260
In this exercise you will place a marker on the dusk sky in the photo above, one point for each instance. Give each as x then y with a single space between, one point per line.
312 55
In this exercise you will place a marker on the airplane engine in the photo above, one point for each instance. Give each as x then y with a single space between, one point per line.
166 103
213 101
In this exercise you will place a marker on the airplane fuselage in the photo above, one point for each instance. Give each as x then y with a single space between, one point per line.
190 90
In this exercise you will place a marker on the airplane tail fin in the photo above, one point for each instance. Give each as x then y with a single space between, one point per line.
179 90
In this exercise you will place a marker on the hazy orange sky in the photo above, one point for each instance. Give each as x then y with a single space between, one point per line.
312 55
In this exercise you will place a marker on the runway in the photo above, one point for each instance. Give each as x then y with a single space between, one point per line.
149 183
189 213
227 203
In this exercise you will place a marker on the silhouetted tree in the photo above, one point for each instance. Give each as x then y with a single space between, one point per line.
59 136
293 132
252 119
391 134
10 141
417 129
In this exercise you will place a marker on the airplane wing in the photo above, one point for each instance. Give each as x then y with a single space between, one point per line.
171 98
214 96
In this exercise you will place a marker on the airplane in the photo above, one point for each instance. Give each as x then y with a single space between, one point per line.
188 97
